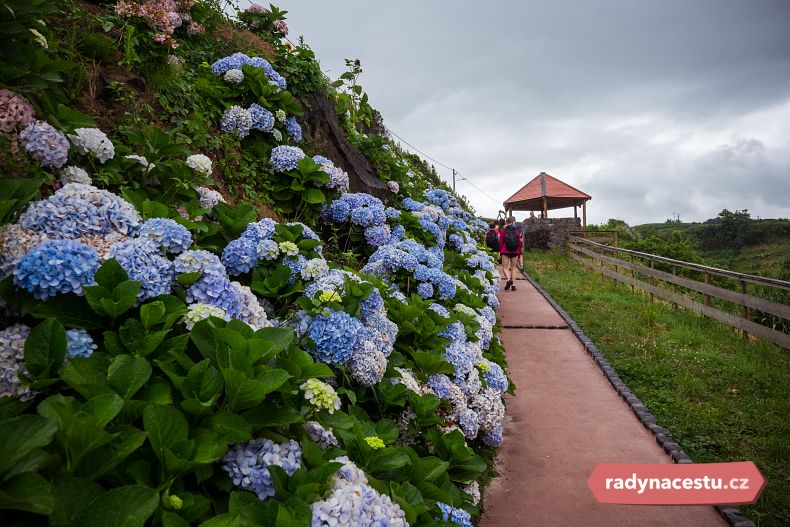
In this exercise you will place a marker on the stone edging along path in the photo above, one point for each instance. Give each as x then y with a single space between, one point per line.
731 514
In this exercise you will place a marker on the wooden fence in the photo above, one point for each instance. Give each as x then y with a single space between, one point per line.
602 237
615 263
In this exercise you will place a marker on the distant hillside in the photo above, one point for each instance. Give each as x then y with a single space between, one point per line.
732 240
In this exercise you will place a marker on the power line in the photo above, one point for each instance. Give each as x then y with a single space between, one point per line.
417 149
463 178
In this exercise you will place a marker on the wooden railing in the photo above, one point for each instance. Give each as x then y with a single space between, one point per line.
603 237
642 273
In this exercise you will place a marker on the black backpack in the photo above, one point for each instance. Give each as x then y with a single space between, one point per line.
492 240
511 238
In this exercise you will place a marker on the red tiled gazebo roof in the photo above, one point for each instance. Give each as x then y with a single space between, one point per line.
546 192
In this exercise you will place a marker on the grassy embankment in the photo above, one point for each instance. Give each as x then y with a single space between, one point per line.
723 397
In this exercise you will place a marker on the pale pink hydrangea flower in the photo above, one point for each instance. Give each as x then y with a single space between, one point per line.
16 112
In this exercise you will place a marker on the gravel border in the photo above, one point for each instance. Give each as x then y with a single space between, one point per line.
731 514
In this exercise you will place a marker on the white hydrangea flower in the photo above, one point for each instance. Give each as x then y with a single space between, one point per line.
473 489
200 163
197 312
289 248
147 167
93 142
234 76
321 395
314 268
280 115
74 174
209 197
278 136
393 186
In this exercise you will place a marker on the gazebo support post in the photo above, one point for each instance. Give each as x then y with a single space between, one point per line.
584 215
545 208
575 215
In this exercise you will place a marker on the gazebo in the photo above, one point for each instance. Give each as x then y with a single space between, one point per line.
545 193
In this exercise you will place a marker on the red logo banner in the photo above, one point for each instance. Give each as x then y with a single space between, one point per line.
687 484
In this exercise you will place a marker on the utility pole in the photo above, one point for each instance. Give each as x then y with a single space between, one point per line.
453 181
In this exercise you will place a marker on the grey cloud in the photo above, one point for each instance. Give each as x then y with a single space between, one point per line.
629 101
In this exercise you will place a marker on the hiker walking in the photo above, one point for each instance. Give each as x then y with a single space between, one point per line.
510 249
492 238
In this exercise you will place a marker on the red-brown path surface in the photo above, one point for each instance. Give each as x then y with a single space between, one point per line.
564 419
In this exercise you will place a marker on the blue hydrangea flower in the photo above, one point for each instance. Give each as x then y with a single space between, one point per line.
260 230
275 78
335 334
445 389
321 160
46 144
392 214
143 262
240 255
454 515
411 205
167 234
381 331
458 355
216 291
57 266
398 233
233 62
438 308
362 209
268 250
400 297
467 421
79 343
494 437
455 332
199 261
377 235
425 290
495 377
372 304
237 121
247 464
262 119
296 265
285 158
322 436
293 129
354 503
77 210
368 364
12 360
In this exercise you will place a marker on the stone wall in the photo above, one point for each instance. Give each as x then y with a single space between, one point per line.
548 233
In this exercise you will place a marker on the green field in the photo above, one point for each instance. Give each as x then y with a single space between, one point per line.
723 397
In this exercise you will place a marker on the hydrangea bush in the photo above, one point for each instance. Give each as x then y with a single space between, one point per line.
229 369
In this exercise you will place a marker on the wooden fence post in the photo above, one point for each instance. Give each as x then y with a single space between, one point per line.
707 296
674 273
652 281
745 308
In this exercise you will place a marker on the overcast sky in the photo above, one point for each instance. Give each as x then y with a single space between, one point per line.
654 108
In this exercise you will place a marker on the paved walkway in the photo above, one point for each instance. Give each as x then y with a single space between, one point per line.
564 419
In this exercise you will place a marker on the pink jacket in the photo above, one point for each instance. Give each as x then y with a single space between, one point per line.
503 249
